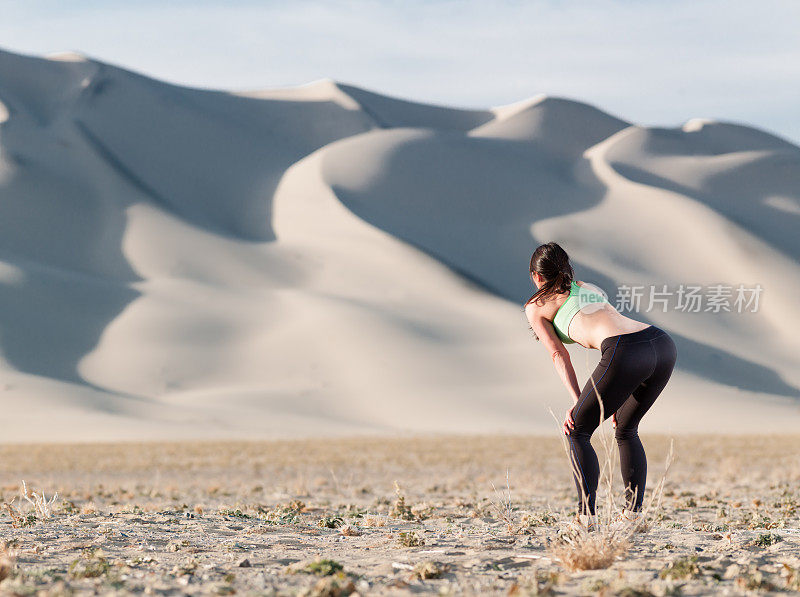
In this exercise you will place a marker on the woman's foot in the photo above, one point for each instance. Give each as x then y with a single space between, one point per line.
626 519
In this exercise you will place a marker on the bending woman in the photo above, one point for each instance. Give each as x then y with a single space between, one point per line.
636 362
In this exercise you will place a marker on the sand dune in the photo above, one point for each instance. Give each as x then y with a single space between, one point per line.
324 260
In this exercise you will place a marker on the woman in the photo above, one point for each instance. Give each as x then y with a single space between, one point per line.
636 362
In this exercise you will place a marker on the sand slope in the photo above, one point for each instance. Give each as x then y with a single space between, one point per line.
324 260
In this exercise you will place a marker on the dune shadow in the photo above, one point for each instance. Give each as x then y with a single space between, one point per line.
467 201
52 318
729 369
72 166
210 157
483 231
741 196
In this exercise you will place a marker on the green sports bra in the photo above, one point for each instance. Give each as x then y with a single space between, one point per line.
571 306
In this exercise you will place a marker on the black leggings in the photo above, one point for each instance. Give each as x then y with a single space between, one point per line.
632 371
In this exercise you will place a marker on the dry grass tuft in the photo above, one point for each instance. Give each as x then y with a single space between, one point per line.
350 530
330 587
42 507
504 508
374 521
589 551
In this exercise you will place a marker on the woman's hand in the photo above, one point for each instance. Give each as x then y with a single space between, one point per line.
569 423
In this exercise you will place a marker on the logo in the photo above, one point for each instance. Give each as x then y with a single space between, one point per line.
591 298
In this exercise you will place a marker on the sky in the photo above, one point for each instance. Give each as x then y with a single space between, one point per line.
652 62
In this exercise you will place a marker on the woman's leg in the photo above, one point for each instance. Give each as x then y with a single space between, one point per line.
621 369
632 459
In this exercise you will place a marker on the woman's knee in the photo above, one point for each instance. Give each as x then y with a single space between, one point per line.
586 420
581 435
585 425
622 433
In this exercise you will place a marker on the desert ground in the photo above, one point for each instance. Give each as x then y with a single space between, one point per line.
400 515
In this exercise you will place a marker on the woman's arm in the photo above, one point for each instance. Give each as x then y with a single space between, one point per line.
544 330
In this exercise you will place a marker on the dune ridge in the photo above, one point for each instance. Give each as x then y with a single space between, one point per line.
325 260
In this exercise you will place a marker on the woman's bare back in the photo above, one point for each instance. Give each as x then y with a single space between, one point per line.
590 327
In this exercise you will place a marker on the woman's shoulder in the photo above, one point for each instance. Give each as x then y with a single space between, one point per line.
546 308
535 307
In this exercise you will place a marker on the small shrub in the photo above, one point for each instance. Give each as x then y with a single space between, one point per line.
330 586
374 521
330 522
428 570
233 513
92 564
681 568
540 519
400 509
187 568
766 539
349 530
411 539
320 567
283 514
18 518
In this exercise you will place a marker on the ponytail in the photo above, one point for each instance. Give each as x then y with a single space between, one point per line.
552 263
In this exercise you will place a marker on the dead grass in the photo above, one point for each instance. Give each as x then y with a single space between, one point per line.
504 507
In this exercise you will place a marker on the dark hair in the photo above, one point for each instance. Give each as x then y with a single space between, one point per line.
552 263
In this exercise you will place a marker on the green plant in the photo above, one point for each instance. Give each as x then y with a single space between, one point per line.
91 564
681 568
400 509
767 539
330 522
319 567
233 513
410 539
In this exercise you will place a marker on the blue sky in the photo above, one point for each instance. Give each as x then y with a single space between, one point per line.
655 63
